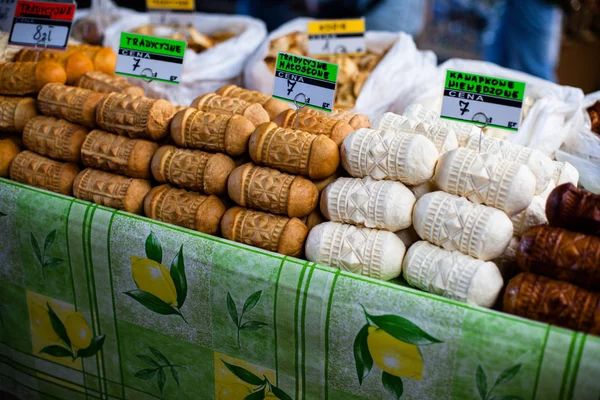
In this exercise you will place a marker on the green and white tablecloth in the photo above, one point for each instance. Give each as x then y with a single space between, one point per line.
97 303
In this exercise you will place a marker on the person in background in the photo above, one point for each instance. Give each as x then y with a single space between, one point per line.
527 37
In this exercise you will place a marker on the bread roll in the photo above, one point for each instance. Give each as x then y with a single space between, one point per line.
22 78
485 178
272 106
136 117
564 172
366 202
188 209
15 112
336 130
111 190
574 209
370 252
42 172
105 83
540 164
296 152
192 169
452 274
532 216
561 254
454 223
214 103
104 58
442 137
73 104
76 65
118 154
407 158
267 189
356 121
54 138
555 302
267 231
212 132
462 130
8 151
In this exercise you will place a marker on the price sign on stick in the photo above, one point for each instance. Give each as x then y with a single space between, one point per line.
499 100
337 36
42 24
150 58
314 79
171 12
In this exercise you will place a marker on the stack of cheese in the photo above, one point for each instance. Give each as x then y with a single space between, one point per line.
560 282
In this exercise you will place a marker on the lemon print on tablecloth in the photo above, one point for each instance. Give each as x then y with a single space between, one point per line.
159 289
233 391
393 356
393 344
41 324
78 331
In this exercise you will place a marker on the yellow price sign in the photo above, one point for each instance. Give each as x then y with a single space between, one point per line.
336 36
333 26
179 5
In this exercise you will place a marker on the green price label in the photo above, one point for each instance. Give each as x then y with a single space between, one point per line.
485 85
307 67
167 47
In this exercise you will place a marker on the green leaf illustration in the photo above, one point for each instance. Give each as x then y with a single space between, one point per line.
232 310
93 348
56 351
153 303
148 360
280 393
52 262
508 374
243 374
146 374
252 326
161 378
58 326
402 329
481 382
179 278
36 249
362 356
260 395
159 355
392 384
252 301
49 241
153 248
175 374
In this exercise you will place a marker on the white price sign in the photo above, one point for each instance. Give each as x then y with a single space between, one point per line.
150 58
42 24
305 81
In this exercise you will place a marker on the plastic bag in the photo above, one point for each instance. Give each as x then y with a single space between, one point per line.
555 112
582 148
206 71
90 23
402 63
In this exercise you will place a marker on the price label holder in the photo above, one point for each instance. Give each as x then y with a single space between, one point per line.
337 36
469 96
150 58
305 80
174 13
46 24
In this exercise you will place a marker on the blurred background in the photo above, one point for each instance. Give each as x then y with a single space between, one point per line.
558 40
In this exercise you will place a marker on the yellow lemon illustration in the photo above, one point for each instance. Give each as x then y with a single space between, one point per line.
234 391
271 396
153 278
394 356
40 320
78 330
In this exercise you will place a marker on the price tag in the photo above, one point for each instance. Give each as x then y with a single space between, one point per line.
315 79
338 36
171 12
42 24
151 58
7 11
500 100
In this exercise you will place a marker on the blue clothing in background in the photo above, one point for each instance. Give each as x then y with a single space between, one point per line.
527 38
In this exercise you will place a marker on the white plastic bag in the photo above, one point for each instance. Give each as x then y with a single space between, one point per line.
402 63
582 148
206 71
555 113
